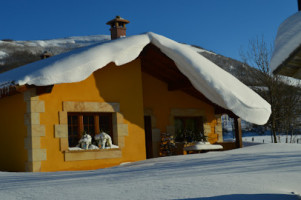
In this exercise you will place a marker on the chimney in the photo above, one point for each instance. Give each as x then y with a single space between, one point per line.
118 28
45 55
299 5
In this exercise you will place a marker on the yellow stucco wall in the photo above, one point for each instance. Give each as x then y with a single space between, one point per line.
136 93
126 85
12 133
116 84
157 98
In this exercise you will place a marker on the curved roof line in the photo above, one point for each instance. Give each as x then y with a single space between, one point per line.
217 85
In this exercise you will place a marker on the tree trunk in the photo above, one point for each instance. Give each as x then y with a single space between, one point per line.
238 133
274 131
292 136
286 139
273 128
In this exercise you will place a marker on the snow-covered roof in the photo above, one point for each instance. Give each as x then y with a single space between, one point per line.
288 39
217 85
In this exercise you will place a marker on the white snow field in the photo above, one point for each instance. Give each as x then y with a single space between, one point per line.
265 171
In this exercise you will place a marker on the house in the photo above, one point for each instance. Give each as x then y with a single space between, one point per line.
286 56
132 88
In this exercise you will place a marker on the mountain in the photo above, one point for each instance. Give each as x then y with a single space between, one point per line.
18 53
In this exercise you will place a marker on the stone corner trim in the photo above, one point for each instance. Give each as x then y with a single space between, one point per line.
37 155
35 130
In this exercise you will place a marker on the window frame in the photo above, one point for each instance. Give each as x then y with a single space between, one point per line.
198 120
81 124
120 130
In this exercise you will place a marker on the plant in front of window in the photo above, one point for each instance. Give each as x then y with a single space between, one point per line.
85 141
184 135
167 146
187 135
203 137
104 140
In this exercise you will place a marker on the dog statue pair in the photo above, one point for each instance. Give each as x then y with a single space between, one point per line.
102 139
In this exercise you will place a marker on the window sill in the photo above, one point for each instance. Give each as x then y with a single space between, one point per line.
92 154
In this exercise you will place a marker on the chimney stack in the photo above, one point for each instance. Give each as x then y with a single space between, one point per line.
118 28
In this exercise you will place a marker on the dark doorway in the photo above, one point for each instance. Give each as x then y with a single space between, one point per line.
148 136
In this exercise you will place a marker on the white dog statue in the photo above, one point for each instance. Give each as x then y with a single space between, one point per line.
104 140
85 141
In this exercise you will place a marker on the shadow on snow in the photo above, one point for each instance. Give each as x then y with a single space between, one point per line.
249 197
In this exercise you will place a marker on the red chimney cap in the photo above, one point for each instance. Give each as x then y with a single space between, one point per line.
117 19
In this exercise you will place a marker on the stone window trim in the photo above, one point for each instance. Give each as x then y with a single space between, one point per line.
218 129
120 130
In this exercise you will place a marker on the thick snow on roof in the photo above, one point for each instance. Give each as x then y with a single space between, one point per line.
217 85
287 40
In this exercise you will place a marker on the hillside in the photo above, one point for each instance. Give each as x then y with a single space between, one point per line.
18 53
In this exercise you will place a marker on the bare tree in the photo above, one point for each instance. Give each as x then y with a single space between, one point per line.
284 97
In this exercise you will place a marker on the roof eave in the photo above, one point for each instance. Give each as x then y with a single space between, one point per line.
17 89
291 66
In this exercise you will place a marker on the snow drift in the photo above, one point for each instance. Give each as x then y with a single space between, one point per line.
260 172
217 85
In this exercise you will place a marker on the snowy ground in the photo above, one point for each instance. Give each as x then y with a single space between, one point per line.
264 171
268 139
263 138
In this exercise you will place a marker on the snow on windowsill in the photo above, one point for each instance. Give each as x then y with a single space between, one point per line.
92 148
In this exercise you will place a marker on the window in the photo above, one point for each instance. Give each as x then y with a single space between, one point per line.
91 123
189 129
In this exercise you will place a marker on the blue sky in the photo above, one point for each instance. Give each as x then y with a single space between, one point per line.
222 26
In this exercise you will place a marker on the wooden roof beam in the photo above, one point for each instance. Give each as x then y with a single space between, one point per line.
181 84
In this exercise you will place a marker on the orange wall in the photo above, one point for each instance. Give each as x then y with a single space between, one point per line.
12 133
134 91
125 85
157 97
119 84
